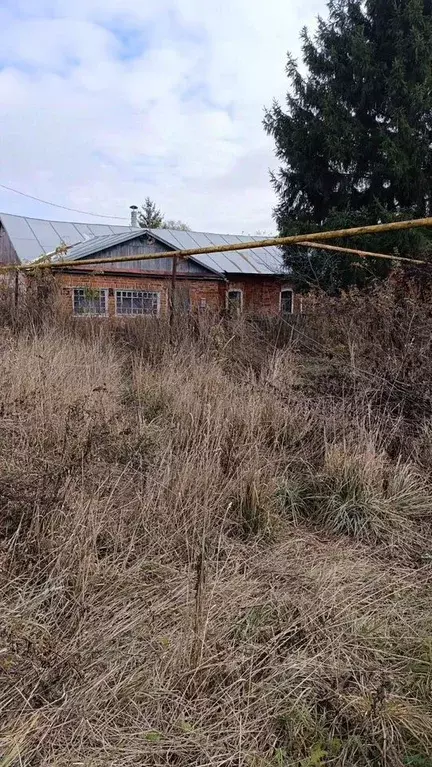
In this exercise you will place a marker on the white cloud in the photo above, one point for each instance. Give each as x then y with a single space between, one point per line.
103 102
52 44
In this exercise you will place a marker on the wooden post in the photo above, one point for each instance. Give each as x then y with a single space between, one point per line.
173 290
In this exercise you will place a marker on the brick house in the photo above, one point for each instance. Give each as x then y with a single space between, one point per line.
250 281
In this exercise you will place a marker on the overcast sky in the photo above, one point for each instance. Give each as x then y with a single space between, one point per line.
103 102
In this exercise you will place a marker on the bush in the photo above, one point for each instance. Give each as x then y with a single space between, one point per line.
365 496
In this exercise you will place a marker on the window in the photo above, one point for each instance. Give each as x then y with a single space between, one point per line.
135 302
235 302
90 301
286 301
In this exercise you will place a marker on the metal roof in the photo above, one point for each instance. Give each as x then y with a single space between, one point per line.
260 261
94 245
32 238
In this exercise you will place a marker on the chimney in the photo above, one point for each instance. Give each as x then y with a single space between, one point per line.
134 215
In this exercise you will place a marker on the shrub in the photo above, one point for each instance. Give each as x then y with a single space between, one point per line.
365 496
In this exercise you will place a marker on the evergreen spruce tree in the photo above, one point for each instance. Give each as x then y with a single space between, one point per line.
355 141
150 216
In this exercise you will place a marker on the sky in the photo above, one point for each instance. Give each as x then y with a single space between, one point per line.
106 102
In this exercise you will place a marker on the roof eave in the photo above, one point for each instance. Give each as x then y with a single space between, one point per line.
260 275
105 246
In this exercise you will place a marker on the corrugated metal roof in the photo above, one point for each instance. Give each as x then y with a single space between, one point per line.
33 237
258 261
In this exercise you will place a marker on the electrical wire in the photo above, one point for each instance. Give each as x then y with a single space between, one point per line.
63 207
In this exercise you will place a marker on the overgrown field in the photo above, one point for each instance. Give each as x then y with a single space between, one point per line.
216 549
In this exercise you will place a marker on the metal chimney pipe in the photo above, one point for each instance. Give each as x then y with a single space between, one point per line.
134 215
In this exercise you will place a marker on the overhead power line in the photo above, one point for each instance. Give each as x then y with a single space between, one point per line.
63 207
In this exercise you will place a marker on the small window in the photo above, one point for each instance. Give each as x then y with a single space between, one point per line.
235 302
90 301
137 302
286 301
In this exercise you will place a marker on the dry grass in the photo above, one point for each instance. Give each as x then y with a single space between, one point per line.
204 561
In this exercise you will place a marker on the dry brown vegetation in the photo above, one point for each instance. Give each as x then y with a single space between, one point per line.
218 550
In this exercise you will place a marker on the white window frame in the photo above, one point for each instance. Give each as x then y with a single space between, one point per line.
234 290
286 290
89 314
137 314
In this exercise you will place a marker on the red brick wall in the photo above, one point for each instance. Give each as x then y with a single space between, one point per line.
199 290
260 296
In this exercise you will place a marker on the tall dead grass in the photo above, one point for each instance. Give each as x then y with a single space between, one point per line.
212 552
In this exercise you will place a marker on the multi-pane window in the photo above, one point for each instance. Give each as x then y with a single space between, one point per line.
90 301
136 302
235 302
286 301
